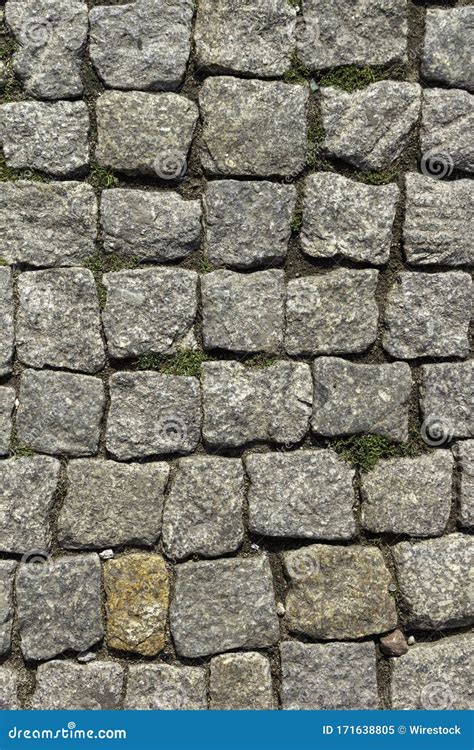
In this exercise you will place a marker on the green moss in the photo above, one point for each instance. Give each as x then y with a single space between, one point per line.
100 264
9 174
102 177
205 266
3 262
20 450
377 178
297 220
365 451
294 3
259 360
185 362
350 78
298 73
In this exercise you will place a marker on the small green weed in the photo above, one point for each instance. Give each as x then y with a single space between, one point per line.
298 72
102 177
259 360
365 451
350 77
185 362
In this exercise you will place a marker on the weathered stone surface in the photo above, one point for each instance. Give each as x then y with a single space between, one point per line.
149 226
464 453
243 405
7 573
137 597
338 592
447 51
141 45
152 414
110 504
355 123
47 224
446 397
302 494
248 223
162 687
332 313
58 320
3 74
149 311
27 496
233 37
409 495
394 644
6 321
141 133
51 35
243 312
64 685
437 220
253 128
8 689
241 682
347 219
72 618
433 578
7 401
221 605
203 511
353 399
435 676
49 137
446 126
328 676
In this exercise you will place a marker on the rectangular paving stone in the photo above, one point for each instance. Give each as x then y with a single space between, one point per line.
241 682
7 402
6 321
464 453
62 685
110 504
8 689
447 49
446 393
163 687
445 135
7 574
221 605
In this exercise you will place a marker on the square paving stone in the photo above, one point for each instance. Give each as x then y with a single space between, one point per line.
47 224
73 619
7 574
7 402
27 494
338 593
162 687
243 312
302 494
447 50
221 605
446 393
241 682
62 685
141 133
248 224
203 511
253 128
328 676
332 313
428 315
60 412
141 45
58 321
6 321
355 124
244 405
152 414
255 39
110 504
347 219
149 226
8 689
433 579
446 126
49 137
464 453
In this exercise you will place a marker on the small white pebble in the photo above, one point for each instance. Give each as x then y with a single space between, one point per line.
17 403
254 546
86 657
107 554
280 609
411 640
392 587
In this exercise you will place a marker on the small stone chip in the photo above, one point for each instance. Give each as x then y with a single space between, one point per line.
162 687
8 689
6 321
464 453
394 644
64 685
7 402
446 126
241 682
446 401
7 574
447 52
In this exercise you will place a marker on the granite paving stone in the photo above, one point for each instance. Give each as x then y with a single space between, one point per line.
7 401
64 685
7 573
241 682
6 321
446 56
446 124
446 392
163 687
8 689
464 452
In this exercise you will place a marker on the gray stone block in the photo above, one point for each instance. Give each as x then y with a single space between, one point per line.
6 322
446 126
162 687
8 689
7 402
64 685
446 392
241 682
464 453
447 51
7 573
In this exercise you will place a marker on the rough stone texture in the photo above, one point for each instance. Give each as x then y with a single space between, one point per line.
333 313
255 40
149 226
446 124
328 676
50 224
241 682
49 137
437 221
72 620
64 685
435 676
221 605
243 405
447 52
6 321
60 412
355 123
28 487
203 511
353 399
428 315
8 689
149 311
433 578
347 219
109 504
409 495
253 128
162 687
446 396
394 644
7 573
51 35
141 45
303 494
338 592
152 414
58 320
248 223
7 401
464 453
243 312
141 133
137 591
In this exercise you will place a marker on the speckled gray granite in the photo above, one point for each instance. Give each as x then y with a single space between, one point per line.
447 120
163 687
7 402
464 453
6 321
7 574
447 55
64 685
241 682
446 392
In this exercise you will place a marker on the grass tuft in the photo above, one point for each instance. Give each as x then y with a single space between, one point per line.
102 177
3 262
10 174
20 450
297 220
377 178
298 72
185 362
365 451
259 360
350 77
